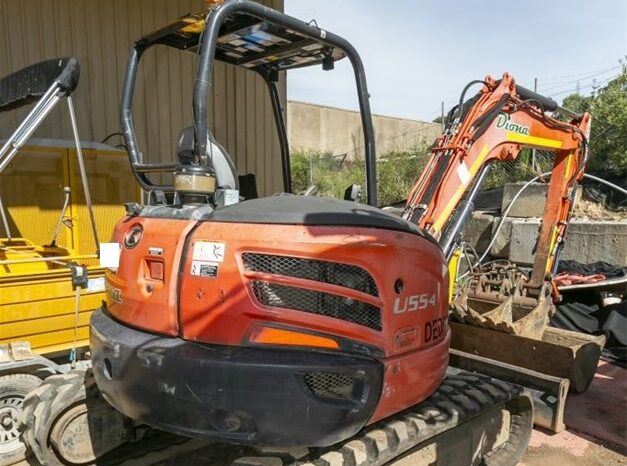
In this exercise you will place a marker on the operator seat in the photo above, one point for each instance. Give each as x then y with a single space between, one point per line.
226 174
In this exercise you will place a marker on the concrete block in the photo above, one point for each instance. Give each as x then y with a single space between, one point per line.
586 241
501 246
478 231
591 241
532 200
522 234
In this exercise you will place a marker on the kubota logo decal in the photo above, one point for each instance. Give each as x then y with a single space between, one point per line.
133 236
114 295
504 121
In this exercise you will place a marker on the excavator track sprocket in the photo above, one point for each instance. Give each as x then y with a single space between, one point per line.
472 419
66 421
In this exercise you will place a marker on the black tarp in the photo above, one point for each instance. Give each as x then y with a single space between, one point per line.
593 268
580 309
574 313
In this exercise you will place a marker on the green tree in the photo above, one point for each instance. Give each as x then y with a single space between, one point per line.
608 136
577 103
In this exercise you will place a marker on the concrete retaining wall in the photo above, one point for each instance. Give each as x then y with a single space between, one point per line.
531 201
339 131
586 240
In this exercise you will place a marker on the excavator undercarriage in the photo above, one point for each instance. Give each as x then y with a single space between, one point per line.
470 419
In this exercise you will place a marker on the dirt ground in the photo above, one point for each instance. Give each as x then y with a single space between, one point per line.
573 451
597 426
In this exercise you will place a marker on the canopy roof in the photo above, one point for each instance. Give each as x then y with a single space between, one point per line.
246 41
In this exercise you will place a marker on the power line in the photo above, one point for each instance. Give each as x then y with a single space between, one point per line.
580 74
559 88
592 85
561 84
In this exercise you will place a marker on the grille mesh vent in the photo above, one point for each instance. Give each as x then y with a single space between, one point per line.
330 385
316 302
348 276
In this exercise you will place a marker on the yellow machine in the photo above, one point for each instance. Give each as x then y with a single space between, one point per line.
50 278
36 295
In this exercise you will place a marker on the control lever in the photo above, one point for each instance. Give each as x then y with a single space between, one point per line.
66 203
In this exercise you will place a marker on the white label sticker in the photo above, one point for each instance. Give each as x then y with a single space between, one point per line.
231 196
204 269
110 255
95 285
209 251
463 173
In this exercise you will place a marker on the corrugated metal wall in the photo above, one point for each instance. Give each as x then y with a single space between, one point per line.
100 35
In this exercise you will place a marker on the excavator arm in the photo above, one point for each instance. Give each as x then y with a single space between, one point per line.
495 125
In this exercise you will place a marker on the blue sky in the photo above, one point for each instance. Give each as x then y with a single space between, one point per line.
419 53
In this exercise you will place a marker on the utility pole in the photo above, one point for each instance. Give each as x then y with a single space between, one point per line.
533 151
442 115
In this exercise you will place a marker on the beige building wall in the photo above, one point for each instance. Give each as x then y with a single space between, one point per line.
339 131
100 34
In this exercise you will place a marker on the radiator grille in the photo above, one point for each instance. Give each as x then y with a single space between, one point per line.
329 385
316 302
348 276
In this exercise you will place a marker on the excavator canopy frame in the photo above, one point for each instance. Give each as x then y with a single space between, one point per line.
248 35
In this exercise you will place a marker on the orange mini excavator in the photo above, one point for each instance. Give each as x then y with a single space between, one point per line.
294 320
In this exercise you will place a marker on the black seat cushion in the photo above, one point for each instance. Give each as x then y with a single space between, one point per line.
291 209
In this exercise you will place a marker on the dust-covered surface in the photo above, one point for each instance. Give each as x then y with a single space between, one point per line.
596 422
595 211
594 455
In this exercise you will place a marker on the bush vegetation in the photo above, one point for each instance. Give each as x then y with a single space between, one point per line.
396 173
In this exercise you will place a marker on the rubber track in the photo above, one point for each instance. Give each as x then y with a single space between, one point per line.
58 392
461 397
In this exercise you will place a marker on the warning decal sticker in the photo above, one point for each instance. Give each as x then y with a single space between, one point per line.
209 251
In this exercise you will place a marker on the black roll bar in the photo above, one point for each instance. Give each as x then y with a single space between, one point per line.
216 17
279 121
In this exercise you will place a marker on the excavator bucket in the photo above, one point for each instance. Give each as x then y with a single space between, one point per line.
496 308
496 298
525 317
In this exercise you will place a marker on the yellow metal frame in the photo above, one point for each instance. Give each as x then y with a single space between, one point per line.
36 298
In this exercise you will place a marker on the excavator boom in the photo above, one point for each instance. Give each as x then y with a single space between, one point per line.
495 125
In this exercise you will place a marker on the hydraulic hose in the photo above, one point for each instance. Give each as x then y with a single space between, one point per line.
525 186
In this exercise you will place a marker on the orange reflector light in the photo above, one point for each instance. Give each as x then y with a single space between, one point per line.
277 336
